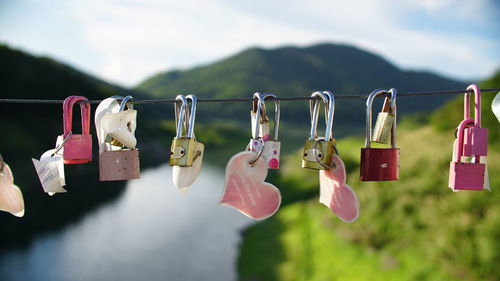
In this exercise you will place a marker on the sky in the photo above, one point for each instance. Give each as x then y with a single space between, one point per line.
127 41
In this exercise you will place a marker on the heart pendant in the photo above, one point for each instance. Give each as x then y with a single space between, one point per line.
11 198
245 189
336 194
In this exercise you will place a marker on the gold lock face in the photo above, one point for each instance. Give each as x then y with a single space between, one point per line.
324 151
383 128
183 152
113 141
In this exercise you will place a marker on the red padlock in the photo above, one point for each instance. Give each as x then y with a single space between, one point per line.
476 138
464 175
379 164
78 147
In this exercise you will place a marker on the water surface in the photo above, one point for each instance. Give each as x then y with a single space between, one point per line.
153 232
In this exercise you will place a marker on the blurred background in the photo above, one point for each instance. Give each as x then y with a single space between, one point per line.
411 229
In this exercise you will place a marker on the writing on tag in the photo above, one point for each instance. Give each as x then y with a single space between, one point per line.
336 194
50 170
245 189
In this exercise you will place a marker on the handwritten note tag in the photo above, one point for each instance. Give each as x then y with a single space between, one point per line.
336 194
50 170
11 198
245 189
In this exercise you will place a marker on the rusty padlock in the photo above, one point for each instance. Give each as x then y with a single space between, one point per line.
261 140
118 162
78 147
185 149
379 164
465 175
383 125
318 151
476 138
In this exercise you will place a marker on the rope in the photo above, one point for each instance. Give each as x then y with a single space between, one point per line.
157 101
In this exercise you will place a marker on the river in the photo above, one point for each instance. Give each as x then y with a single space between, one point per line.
152 232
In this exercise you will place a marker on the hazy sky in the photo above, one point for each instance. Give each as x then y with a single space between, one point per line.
125 41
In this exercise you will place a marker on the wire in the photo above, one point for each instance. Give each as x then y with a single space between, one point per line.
156 101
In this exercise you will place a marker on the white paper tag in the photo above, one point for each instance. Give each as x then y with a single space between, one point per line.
50 170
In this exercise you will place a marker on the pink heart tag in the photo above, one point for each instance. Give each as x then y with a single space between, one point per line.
11 198
245 189
336 194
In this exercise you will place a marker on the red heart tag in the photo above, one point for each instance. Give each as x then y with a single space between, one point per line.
336 194
245 189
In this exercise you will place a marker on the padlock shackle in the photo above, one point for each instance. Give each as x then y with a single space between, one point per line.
259 108
369 113
180 114
328 100
68 104
460 138
126 101
191 115
477 105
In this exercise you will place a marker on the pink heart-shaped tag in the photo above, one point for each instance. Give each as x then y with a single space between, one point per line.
245 189
336 194
11 198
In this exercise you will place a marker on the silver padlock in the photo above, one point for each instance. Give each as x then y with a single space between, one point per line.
261 141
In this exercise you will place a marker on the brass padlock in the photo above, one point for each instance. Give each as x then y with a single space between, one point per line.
185 149
317 154
383 126
182 152
318 151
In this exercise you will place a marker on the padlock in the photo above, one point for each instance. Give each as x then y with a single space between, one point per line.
318 151
117 163
383 125
261 141
465 175
379 164
78 148
185 149
476 138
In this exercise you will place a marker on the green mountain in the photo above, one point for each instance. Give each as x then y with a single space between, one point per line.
293 71
412 229
28 130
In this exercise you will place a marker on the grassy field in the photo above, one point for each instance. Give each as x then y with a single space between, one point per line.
412 229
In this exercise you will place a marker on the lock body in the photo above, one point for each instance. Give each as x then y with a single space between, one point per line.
475 142
383 127
183 152
466 176
78 149
379 164
119 165
323 150
271 151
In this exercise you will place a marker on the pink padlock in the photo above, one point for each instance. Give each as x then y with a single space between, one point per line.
78 147
464 175
476 138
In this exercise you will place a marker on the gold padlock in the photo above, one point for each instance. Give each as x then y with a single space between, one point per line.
383 126
185 149
318 154
183 152
318 151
